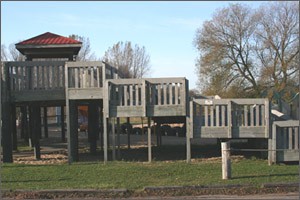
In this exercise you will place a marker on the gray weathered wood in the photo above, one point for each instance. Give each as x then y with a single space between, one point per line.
226 163
6 119
113 139
149 141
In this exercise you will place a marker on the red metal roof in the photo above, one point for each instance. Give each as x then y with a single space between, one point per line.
49 39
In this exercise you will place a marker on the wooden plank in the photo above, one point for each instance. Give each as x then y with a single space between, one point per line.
212 116
229 118
251 115
98 77
170 94
120 95
92 77
223 116
296 131
159 94
125 95
149 141
206 115
165 94
217 115
153 95
257 115
137 95
130 95
118 139
43 77
113 139
246 115
189 123
176 93
263 114
48 78
267 118
143 99
76 78
290 136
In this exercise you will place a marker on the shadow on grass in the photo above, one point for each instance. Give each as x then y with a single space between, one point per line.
34 181
159 153
265 176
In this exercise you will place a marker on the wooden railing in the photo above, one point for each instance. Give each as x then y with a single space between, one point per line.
230 118
285 141
150 97
89 74
36 75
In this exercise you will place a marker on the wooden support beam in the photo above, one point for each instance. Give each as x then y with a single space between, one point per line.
36 130
149 141
14 127
45 122
62 124
72 131
118 139
113 139
105 139
128 130
226 163
188 140
6 116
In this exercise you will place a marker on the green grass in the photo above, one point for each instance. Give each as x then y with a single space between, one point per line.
136 175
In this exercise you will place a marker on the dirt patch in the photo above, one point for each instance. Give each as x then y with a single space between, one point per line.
45 159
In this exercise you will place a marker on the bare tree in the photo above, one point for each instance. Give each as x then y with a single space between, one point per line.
85 52
277 48
131 62
11 54
245 51
4 56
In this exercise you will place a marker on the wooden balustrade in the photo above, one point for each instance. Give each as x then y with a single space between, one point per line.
285 139
212 117
150 97
36 75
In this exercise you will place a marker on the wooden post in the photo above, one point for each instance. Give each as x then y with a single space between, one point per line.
128 132
226 164
229 119
188 140
6 116
118 138
62 122
113 139
45 122
149 141
36 131
72 131
272 156
14 127
105 138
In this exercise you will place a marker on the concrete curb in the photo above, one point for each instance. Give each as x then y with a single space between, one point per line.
232 189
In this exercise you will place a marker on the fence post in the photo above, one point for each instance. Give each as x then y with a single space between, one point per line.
226 164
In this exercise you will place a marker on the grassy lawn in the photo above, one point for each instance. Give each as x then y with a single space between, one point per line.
136 175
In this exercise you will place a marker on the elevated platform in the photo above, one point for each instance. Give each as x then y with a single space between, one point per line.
153 97
230 118
57 80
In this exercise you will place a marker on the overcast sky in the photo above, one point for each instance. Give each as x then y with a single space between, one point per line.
166 29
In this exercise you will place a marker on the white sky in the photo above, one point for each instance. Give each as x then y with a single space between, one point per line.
166 29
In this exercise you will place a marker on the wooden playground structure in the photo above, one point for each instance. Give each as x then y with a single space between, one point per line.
51 77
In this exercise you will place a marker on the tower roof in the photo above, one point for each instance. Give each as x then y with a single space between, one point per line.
49 45
48 39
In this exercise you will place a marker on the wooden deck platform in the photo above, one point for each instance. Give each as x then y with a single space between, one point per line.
230 118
